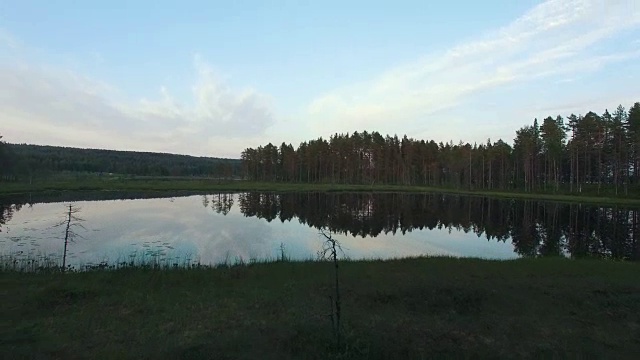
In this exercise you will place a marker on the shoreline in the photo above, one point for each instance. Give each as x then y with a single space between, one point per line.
201 185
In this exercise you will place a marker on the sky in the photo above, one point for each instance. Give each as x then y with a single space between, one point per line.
211 78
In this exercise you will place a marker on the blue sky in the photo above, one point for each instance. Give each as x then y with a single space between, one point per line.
212 77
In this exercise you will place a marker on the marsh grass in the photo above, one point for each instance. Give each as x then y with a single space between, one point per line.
409 308
52 263
33 263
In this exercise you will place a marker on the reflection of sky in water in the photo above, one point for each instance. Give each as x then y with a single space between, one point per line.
184 228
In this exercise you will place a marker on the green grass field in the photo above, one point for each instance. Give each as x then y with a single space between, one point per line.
195 184
402 309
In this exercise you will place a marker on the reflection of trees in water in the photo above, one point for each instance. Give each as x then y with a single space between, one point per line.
535 228
7 211
221 203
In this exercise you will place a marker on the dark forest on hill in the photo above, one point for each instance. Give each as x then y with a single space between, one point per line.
580 152
19 160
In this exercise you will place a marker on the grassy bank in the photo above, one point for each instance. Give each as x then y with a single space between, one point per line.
414 308
186 184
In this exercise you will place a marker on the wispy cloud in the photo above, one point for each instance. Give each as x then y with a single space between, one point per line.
7 39
557 37
45 105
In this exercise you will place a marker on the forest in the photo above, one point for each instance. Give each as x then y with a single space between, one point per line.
5 160
21 160
593 152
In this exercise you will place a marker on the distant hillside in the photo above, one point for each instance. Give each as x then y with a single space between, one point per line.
39 158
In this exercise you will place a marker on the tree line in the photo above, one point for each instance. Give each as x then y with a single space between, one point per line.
22 160
591 151
6 163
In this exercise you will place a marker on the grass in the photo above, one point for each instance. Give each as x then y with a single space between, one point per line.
199 184
410 308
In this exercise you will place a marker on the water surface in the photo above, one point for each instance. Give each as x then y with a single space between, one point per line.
214 228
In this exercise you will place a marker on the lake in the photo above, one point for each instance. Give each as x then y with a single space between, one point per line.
183 228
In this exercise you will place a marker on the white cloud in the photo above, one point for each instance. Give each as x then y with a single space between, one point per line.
555 38
43 105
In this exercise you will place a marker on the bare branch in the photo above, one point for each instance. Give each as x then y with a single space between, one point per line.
70 235
330 249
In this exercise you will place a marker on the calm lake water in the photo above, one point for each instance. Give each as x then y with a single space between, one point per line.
215 228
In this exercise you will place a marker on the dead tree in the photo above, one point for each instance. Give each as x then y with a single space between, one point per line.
70 222
329 251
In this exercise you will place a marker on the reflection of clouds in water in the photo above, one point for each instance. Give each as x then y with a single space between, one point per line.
232 236
390 246
184 227
303 242
41 237
188 229
427 242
